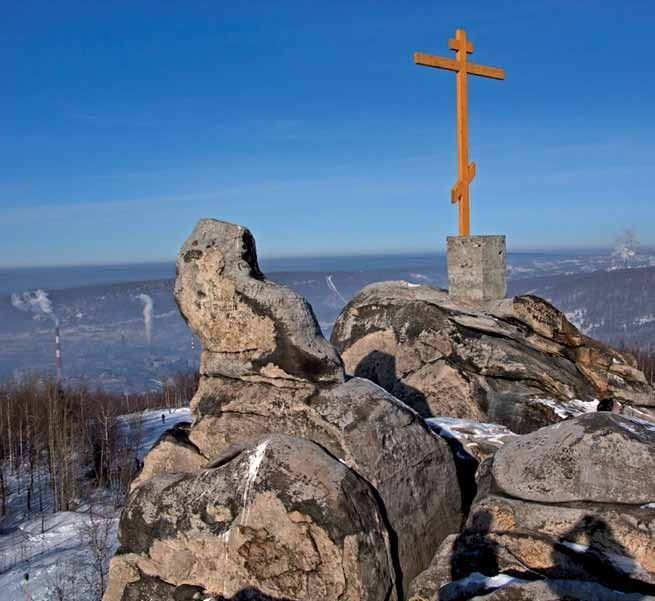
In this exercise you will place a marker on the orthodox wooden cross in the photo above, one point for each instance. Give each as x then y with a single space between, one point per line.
465 170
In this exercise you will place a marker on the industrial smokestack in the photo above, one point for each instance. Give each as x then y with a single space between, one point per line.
58 365
39 303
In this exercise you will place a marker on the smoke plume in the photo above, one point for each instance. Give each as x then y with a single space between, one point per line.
148 305
36 302
333 288
626 247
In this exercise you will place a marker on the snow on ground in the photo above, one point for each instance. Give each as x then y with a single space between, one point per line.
478 439
54 548
626 425
477 584
566 409
148 426
455 427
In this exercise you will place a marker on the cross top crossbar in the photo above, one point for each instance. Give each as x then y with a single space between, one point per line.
465 170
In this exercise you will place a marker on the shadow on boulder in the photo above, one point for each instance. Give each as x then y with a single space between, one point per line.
149 587
588 553
380 368
485 558
251 594
591 545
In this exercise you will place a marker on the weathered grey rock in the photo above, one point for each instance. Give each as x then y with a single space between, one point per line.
459 556
173 453
470 443
427 584
610 543
377 436
599 457
280 517
570 501
517 362
249 327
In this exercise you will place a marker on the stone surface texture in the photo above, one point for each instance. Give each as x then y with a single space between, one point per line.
372 432
280 516
477 270
173 453
249 327
353 492
517 362
559 504
572 462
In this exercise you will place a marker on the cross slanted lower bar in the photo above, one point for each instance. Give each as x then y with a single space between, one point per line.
465 170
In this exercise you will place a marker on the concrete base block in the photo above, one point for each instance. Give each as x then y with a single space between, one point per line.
477 268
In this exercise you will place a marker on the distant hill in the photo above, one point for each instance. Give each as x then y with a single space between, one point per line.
615 306
103 330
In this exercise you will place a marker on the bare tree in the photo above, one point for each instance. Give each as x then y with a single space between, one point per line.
96 534
58 443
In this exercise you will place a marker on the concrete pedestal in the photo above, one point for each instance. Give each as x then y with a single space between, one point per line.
477 268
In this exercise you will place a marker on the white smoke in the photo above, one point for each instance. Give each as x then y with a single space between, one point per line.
626 247
36 302
148 305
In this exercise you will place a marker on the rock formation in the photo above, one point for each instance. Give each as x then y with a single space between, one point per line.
352 492
572 502
249 327
517 362
281 516
299 482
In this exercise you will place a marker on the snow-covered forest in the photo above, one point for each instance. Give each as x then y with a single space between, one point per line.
67 456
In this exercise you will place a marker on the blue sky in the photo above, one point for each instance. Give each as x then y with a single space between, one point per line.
122 123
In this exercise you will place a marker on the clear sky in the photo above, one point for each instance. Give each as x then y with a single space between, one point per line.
122 123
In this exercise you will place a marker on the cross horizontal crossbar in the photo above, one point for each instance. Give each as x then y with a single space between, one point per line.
428 60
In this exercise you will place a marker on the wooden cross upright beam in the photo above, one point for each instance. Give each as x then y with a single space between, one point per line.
465 170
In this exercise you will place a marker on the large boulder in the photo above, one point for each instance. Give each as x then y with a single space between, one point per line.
375 434
572 501
600 457
249 327
280 518
516 362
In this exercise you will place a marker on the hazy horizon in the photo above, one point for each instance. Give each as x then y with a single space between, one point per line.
565 250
